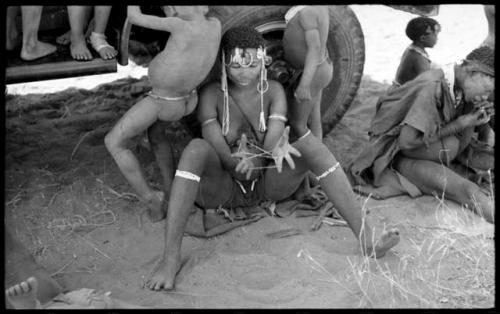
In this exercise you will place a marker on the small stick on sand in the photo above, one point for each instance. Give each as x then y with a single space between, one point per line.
94 247
64 266
77 145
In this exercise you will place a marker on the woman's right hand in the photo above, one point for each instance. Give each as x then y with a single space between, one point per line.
479 116
245 165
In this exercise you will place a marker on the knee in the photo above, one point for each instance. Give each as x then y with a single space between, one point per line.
469 189
452 145
111 142
198 149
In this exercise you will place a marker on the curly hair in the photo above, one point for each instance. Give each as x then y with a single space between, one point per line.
241 37
484 55
418 26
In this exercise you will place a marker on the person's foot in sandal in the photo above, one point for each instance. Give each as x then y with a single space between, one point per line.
78 48
101 46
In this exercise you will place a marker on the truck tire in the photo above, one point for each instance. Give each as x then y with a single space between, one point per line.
345 45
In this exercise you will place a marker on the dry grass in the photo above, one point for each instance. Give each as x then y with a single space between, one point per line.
446 266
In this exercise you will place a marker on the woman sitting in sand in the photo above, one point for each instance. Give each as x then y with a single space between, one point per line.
239 161
423 128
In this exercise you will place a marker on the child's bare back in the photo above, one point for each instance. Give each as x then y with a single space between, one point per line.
190 53
294 38
174 75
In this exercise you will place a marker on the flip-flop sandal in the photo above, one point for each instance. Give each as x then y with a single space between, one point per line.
98 42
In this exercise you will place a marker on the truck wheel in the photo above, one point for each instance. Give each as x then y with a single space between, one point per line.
345 45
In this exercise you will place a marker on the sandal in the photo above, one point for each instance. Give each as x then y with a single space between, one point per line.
98 42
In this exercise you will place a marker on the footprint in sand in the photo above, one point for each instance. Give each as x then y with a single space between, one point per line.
266 279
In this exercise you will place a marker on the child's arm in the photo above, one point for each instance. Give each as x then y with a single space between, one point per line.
136 17
309 23
211 131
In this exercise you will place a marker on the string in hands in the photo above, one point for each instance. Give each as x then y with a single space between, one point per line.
282 150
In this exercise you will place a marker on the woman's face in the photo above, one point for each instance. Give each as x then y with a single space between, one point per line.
241 75
477 86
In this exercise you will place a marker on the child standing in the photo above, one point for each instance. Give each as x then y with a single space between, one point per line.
423 31
304 43
305 46
174 74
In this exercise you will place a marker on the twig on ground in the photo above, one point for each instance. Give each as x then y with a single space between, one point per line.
64 266
78 145
94 247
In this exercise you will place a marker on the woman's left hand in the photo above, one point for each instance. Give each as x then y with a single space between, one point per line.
283 150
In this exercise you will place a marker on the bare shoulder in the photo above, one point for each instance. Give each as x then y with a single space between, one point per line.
209 90
275 86
309 17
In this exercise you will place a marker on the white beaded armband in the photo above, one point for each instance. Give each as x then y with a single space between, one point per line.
187 175
208 121
278 117
327 172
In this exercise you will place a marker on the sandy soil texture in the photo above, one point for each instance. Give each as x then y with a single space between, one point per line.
67 202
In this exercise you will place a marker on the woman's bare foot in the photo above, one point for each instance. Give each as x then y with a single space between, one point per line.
78 48
155 209
37 50
386 241
163 274
23 295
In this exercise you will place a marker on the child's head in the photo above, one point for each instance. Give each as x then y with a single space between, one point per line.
423 30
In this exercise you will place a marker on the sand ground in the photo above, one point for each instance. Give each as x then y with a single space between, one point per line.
68 203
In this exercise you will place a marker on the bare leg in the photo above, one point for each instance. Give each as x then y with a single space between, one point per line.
134 121
339 192
65 39
23 295
101 16
78 15
489 11
165 160
432 177
33 48
20 264
389 187
12 38
315 117
198 158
